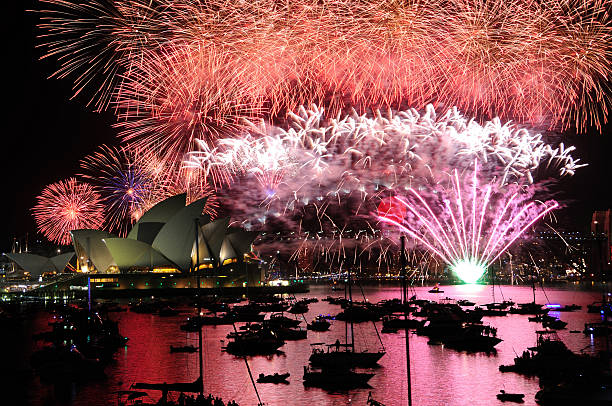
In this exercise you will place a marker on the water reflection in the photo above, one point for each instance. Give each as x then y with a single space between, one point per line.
440 376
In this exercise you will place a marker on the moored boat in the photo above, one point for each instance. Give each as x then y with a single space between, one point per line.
510 397
275 378
334 378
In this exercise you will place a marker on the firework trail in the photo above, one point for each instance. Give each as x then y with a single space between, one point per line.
67 205
122 182
469 226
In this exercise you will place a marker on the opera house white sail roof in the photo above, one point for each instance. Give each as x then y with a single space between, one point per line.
165 237
36 265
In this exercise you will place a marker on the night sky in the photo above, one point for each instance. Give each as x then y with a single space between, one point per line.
46 134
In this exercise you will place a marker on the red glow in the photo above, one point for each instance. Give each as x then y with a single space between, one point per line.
391 209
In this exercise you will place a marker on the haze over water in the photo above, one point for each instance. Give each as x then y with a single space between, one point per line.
440 376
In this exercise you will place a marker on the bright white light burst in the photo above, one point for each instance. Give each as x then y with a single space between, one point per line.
468 270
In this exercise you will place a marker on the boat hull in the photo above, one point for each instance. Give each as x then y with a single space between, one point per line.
345 358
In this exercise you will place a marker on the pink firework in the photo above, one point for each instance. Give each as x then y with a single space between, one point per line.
469 226
179 95
65 206
175 67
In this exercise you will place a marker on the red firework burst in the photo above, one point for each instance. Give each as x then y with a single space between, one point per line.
67 205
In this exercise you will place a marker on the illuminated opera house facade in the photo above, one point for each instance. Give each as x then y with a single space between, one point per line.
167 248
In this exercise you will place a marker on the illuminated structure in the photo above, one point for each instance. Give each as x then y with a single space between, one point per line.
164 241
37 265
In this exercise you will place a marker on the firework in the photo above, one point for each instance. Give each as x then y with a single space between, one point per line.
178 96
122 182
330 175
195 65
67 205
96 41
469 226
317 159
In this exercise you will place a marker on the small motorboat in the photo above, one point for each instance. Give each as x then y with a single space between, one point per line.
510 397
319 324
555 324
276 378
185 348
436 289
570 308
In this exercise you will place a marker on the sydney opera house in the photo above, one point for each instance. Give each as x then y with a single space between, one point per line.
167 248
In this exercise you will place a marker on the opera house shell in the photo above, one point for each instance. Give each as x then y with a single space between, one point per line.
164 240
37 265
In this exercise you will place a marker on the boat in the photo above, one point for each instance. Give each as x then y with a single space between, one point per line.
184 348
280 320
290 334
329 355
343 355
510 397
318 324
357 314
465 302
298 308
541 318
275 378
397 322
570 394
596 329
569 308
528 308
488 312
472 337
262 342
436 289
555 324
498 305
389 330
598 307
335 378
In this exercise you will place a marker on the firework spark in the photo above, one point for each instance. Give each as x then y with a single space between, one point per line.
316 159
67 205
471 225
122 182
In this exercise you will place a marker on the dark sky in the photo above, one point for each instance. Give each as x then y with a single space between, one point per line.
46 134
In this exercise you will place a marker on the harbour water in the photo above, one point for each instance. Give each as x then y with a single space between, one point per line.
440 376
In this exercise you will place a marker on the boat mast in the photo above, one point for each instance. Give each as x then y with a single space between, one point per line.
198 296
533 276
350 306
405 305
493 283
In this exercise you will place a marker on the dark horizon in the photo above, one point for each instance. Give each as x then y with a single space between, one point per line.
51 133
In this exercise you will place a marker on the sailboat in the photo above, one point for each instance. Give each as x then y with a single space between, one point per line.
344 355
530 307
